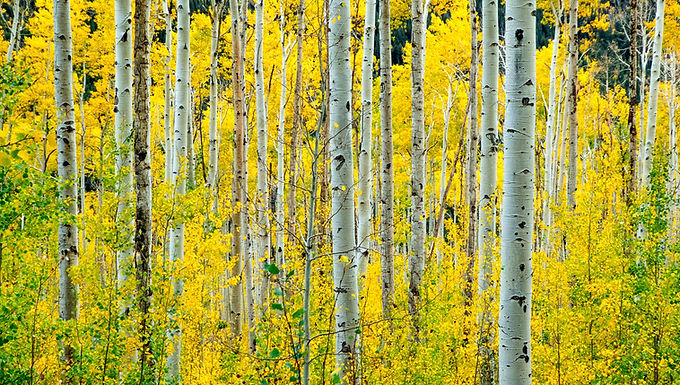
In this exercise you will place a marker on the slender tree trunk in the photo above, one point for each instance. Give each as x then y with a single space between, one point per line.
15 30
471 174
124 138
550 154
262 199
643 57
417 247
213 150
81 179
239 180
631 187
190 154
345 256
487 183
169 148
514 322
280 145
68 176
142 148
671 82
572 86
364 210
450 98
655 76
297 126
386 155
179 170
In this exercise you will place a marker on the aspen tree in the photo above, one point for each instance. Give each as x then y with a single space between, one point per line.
418 149
365 159
572 102
123 132
239 180
514 322
142 148
551 144
342 186
68 171
297 126
15 29
213 150
280 145
654 78
167 116
386 161
487 179
471 172
631 184
179 170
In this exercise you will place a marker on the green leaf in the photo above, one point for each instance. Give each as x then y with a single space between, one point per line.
274 353
277 306
336 378
272 269
290 273
299 313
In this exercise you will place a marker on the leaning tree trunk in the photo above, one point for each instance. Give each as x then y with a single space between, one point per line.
262 199
655 76
297 126
487 183
15 29
572 86
342 187
386 155
364 211
143 224
124 138
471 175
239 180
179 167
417 249
514 322
68 175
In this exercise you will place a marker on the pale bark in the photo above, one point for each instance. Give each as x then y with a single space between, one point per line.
418 149
262 199
471 166
15 29
517 217
190 154
342 187
239 179
81 179
167 117
213 150
386 159
631 182
450 98
365 158
487 182
572 86
671 82
297 126
142 150
123 133
179 180
68 175
551 144
280 146
655 76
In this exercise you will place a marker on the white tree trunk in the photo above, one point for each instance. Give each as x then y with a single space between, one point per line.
365 208
471 169
671 76
213 150
450 97
417 247
169 148
517 217
386 155
550 153
572 87
655 76
190 154
297 126
345 256
262 199
179 169
68 171
280 146
124 139
487 181
239 180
